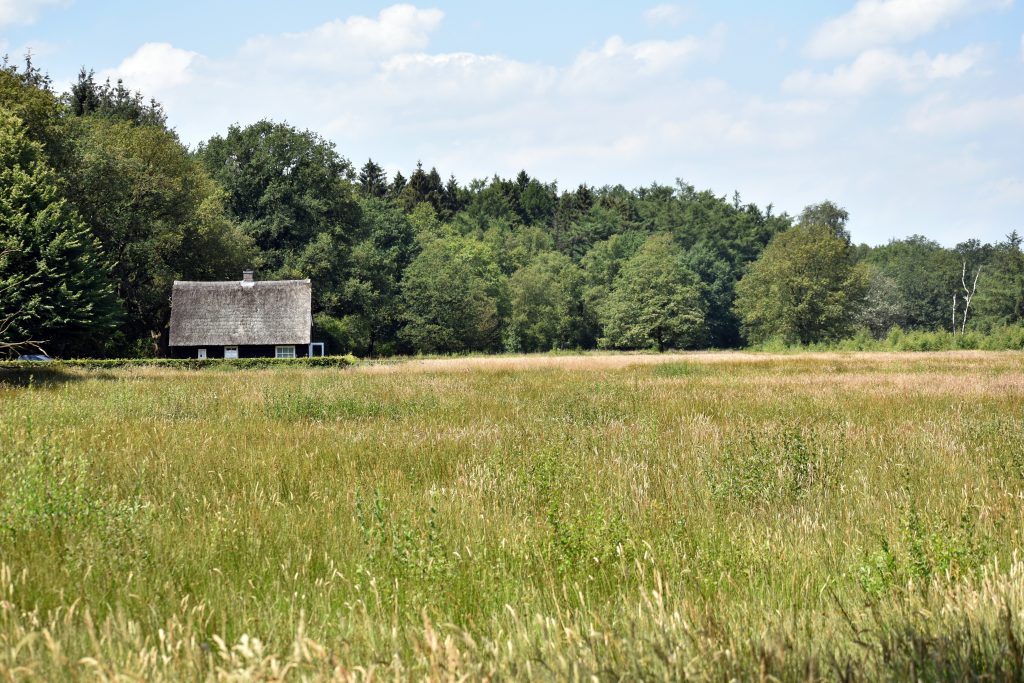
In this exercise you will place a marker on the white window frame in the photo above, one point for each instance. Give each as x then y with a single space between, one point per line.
286 349
202 354
231 349
316 346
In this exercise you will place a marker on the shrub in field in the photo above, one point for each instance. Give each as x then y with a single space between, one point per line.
1008 338
929 547
773 467
47 503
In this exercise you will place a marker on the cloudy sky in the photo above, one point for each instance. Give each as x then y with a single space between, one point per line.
910 113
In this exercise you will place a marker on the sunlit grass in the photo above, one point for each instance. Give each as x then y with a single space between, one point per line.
621 516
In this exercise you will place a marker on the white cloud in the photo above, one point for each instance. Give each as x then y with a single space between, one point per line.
25 11
348 44
665 15
875 23
617 64
939 116
155 68
465 76
878 68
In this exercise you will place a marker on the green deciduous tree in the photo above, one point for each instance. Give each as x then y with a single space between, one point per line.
545 305
454 296
884 306
828 215
26 93
286 187
655 300
1001 292
157 213
925 275
805 288
373 289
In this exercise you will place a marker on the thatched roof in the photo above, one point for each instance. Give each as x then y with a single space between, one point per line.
241 313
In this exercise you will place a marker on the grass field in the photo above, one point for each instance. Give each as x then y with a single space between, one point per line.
707 516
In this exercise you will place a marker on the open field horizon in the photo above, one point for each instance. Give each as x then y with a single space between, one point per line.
851 516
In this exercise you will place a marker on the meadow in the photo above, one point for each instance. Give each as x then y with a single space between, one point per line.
707 516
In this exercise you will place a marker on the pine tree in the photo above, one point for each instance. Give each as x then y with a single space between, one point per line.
55 284
372 180
397 185
452 200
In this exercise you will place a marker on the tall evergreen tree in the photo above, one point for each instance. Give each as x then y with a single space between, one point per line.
117 101
55 285
398 184
373 182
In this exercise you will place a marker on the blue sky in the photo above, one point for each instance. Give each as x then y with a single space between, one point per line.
910 113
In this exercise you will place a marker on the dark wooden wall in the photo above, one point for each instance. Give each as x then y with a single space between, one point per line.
262 351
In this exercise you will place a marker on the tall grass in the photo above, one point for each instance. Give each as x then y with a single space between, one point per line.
706 516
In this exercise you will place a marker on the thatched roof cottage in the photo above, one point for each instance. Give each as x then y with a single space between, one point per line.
242 319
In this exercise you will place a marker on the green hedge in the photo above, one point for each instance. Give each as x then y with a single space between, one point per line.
182 363
1008 338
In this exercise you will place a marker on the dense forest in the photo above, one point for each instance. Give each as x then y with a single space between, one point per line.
102 208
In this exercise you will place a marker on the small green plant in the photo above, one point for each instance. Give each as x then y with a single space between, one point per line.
774 466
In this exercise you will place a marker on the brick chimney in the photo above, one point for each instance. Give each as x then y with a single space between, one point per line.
247 278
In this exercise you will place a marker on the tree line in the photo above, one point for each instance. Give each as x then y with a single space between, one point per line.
102 208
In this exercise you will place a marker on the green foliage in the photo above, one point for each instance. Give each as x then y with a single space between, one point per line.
454 295
885 305
348 334
372 290
1000 299
287 188
284 201
57 366
89 98
805 288
655 301
929 548
827 215
922 279
544 303
157 214
373 182
27 93
54 280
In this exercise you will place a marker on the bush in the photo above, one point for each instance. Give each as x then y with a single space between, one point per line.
1009 338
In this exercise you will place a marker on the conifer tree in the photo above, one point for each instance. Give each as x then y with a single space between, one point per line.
55 290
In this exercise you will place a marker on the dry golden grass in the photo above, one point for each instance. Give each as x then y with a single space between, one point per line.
618 516
617 361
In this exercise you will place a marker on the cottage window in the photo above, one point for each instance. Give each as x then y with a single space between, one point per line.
231 352
284 352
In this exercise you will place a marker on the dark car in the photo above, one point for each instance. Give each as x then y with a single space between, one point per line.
34 356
